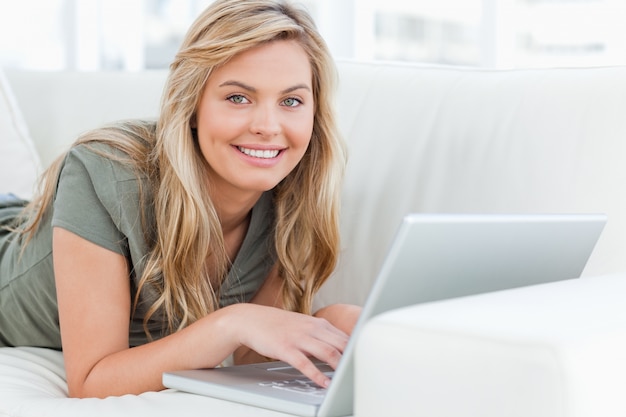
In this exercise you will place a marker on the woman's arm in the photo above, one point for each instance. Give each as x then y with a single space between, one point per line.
267 295
93 295
342 316
93 292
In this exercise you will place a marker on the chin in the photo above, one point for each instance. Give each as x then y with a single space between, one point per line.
262 186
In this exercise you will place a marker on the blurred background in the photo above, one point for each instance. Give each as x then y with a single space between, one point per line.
134 35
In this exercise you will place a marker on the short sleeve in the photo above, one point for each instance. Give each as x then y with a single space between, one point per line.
85 196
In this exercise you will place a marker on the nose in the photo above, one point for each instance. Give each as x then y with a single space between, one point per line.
265 121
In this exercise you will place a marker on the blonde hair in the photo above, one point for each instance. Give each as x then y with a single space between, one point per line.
188 259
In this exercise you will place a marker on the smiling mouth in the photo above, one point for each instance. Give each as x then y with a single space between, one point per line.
259 153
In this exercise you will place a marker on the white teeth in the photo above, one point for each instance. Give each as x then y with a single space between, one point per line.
258 153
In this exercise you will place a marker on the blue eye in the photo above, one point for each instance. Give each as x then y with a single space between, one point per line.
291 102
237 99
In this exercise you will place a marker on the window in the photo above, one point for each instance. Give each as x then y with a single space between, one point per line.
145 34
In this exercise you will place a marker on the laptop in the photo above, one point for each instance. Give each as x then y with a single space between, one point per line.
432 257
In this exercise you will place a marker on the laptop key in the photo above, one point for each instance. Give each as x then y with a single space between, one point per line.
301 386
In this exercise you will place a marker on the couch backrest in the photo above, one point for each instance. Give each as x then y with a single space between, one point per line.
433 139
59 106
19 160
421 139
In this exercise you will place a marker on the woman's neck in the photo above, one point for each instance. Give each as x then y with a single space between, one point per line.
234 211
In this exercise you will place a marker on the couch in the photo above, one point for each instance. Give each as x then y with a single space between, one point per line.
421 138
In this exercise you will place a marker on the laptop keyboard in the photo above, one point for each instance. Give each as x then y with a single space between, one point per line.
302 386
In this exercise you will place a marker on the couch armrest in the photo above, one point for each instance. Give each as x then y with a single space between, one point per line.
552 350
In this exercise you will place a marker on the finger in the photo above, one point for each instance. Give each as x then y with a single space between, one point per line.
325 352
309 370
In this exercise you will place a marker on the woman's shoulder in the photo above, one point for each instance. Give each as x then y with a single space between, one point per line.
110 165
102 179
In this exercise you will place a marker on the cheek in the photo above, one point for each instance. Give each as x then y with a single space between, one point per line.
302 131
215 126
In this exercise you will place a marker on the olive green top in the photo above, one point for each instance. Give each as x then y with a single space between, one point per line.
98 198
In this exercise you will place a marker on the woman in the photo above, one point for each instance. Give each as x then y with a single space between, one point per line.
172 245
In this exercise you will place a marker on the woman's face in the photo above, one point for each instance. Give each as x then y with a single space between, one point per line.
255 117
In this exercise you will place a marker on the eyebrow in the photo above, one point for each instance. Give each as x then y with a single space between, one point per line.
253 90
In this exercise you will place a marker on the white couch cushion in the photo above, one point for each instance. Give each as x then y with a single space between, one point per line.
19 163
553 350
32 383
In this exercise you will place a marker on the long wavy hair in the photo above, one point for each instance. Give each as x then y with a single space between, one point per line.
187 260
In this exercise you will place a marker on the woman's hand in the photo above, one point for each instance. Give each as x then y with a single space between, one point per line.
291 337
